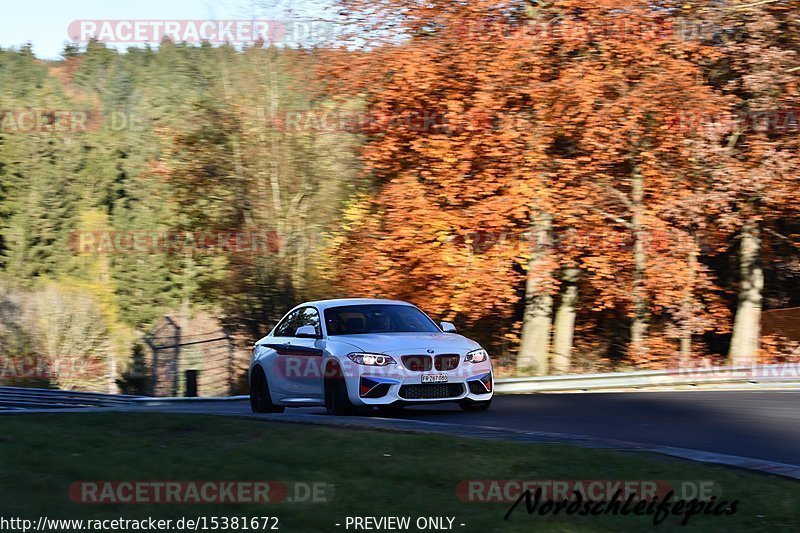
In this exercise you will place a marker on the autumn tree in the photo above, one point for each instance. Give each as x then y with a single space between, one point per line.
751 151
451 147
577 144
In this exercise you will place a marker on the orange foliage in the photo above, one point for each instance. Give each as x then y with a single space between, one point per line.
526 122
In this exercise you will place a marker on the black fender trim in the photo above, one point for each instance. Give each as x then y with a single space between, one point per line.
290 349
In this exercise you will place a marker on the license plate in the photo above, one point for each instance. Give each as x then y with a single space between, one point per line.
434 378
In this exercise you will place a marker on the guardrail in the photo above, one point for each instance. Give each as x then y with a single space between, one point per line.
785 375
16 398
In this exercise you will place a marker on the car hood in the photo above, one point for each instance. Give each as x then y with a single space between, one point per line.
403 342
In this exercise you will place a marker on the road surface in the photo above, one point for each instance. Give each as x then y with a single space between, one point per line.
762 425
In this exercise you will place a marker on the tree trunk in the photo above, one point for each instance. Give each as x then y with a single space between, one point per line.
112 372
686 311
564 328
536 321
747 324
639 320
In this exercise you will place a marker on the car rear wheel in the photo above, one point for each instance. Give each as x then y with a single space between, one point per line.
337 401
260 399
472 406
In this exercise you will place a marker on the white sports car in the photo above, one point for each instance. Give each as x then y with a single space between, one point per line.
354 354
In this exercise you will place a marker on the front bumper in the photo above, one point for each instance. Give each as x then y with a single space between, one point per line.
398 385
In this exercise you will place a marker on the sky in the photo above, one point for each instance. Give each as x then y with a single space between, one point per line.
44 23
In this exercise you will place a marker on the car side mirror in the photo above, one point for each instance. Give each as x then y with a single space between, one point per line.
306 332
448 327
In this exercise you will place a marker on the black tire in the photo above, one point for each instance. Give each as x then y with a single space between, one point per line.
337 402
473 406
260 399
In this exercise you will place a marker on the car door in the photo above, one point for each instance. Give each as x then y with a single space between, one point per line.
273 363
295 368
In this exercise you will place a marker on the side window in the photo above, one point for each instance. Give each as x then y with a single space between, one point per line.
308 317
288 325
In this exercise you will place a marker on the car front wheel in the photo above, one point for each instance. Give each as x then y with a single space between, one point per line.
337 401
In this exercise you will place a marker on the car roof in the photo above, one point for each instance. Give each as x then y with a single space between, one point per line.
325 304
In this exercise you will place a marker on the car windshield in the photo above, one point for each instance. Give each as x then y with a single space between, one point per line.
377 318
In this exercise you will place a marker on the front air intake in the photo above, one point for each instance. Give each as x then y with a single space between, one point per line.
431 392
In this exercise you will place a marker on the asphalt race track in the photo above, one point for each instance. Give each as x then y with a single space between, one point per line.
758 425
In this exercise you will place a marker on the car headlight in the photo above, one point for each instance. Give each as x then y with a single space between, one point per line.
371 359
477 356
